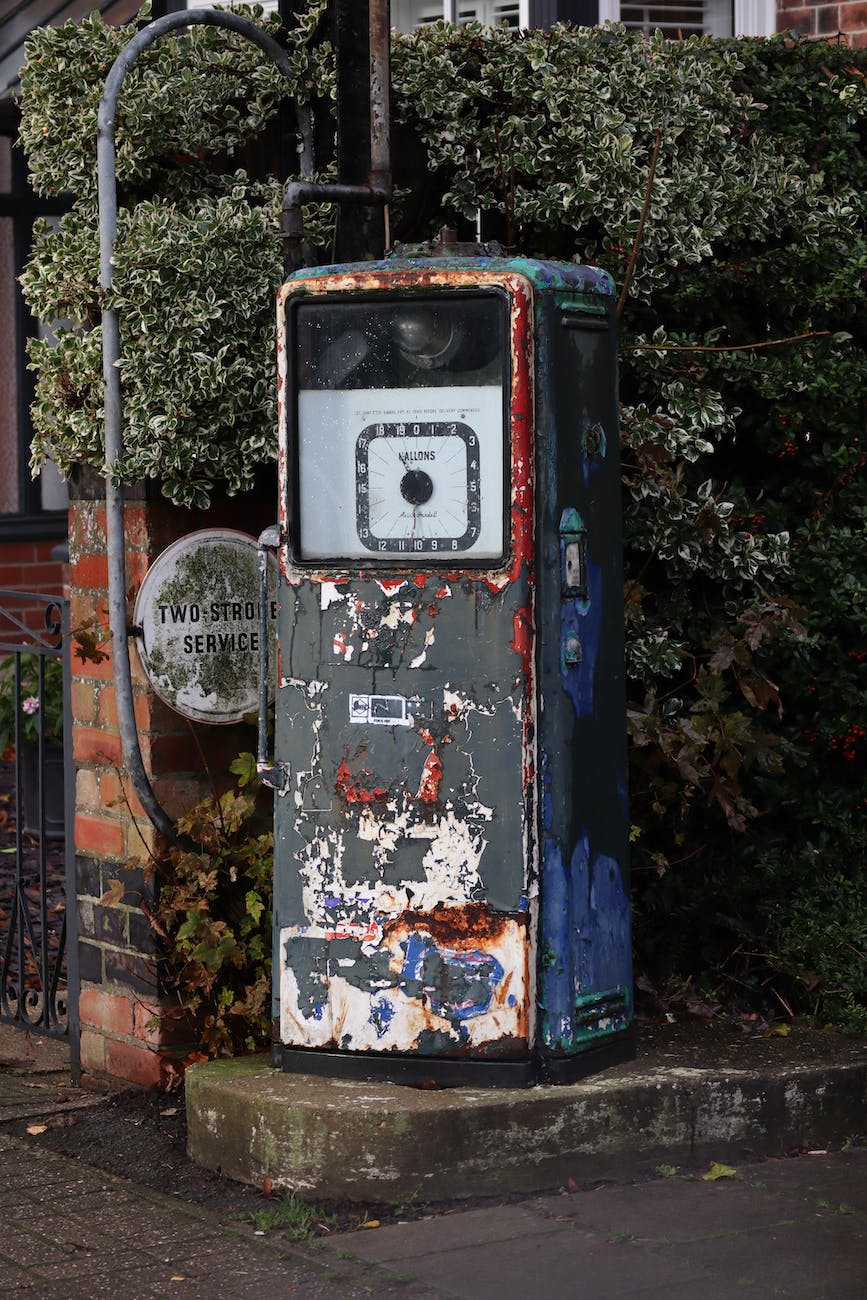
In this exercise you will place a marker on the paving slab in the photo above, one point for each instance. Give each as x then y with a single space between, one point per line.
560 1263
35 1076
677 1210
424 1237
821 1260
23 1048
670 1237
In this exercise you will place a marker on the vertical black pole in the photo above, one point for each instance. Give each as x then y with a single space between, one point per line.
353 120
360 230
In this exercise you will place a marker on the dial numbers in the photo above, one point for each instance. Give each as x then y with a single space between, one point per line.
417 487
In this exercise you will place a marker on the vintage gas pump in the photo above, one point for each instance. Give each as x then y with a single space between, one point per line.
451 823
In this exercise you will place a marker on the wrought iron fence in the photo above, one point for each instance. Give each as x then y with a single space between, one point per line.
38 956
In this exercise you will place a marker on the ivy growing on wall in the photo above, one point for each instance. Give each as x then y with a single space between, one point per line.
722 184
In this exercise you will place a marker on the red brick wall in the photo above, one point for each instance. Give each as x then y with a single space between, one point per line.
29 566
824 20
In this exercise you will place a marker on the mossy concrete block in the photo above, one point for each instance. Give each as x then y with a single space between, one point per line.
382 1142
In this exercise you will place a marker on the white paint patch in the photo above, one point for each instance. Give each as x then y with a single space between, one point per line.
295 1027
457 706
342 648
311 689
450 866
399 611
330 594
452 861
429 638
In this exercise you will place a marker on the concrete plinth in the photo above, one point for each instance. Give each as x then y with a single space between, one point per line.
384 1143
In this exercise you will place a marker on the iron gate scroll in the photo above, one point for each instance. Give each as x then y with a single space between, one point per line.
38 967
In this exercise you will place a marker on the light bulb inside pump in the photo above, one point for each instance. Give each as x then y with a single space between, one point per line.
425 336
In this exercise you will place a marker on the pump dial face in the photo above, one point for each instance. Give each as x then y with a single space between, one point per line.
417 487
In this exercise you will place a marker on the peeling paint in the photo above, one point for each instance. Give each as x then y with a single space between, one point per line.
434 977
429 638
329 594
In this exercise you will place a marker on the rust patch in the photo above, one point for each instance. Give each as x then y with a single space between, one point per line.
431 776
522 628
351 789
508 1048
458 927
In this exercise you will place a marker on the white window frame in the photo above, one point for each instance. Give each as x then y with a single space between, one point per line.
450 10
270 6
752 17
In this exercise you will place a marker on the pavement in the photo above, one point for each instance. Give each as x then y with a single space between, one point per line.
792 1226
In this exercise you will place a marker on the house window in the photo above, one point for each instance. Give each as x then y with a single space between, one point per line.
28 507
673 17
680 18
406 15
270 6
8 368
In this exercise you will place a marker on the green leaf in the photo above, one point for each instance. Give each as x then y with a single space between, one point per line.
718 1171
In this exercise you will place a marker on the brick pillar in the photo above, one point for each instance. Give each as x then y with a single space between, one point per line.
129 1029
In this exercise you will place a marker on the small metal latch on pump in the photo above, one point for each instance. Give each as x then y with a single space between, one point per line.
573 556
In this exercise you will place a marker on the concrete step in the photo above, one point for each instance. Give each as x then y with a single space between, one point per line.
377 1142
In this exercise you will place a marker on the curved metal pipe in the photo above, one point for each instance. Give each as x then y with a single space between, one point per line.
292 217
269 543
107 195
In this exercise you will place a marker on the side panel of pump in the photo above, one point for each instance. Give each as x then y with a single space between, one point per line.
405 916
585 995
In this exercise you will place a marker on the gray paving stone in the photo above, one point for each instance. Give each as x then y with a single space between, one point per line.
711 1289
840 1178
427 1236
90 1264
29 1249
677 1210
566 1263
810 1261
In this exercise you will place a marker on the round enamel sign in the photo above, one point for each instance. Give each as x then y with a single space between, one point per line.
197 621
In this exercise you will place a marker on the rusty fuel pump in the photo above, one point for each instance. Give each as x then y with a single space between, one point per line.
451 818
